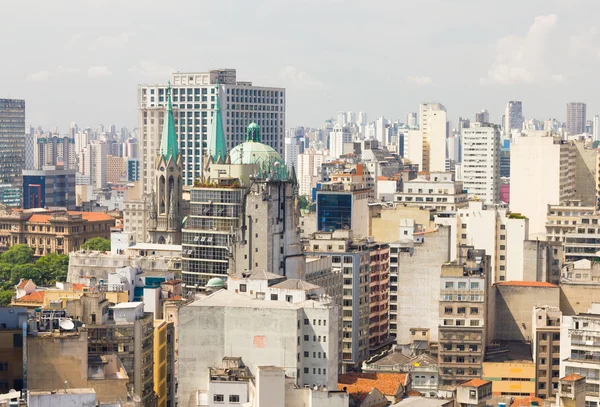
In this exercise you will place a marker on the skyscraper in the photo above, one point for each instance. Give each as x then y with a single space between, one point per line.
193 106
513 116
12 141
432 119
483 116
481 162
576 117
596 128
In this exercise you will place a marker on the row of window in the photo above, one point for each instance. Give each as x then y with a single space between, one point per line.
461 285
315 370
220 398
315 322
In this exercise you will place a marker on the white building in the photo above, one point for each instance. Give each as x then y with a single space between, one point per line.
440 192
262 329
513 116
381 131
579 350
308 170
98 152
411 120
542 173
596 128
292 149
481 162
432 119
413 147
193 103
339 140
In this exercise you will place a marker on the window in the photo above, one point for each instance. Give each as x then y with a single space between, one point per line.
274 297
449 285
234 398
463 236
462 285
461 310
242 288
306 354
448 310
306 370
474 322
306 321
502 247
306 338
474 286
219 398
474 311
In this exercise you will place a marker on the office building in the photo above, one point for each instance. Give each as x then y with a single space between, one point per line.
441 192
546 350
513 116
12 140
579 348
133 169
432 121
462 320
194 106
343 207
481 162
49 187
576 117
542 172
482 117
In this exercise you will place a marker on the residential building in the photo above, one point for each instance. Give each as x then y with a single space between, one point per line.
115 168
513 116
164 363
98 152
586 173
542 173
52 231
432 122
511 369
353 256
546 350
573 391
309 170
12 139
440 192
292 333
379 300
463 321
576 117
52 149
340 141
474 393
574 226
375 389
50 187
482 117
413 147
194 105
135 218
481 162
579 347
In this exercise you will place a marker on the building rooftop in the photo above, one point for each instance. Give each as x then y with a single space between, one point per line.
475 383
527 284
224 298
422 402
363 383
22 283
36 296
507 351
256 275
572 378
295 284
155 247
127 305
89 216
526 401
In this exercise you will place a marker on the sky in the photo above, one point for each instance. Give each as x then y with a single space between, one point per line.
81 60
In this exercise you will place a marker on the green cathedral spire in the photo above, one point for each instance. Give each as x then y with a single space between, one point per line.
217 147
168 141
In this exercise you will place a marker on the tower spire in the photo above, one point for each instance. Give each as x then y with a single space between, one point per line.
168 142
217 147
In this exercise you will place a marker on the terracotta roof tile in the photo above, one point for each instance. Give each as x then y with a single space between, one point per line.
415 393
527 284
78 287
89 216
36 296
572 378
363 383
22 284
475 383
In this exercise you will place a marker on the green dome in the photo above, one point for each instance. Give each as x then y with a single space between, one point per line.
215 283
252 151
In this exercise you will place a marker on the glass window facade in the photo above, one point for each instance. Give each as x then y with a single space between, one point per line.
334 211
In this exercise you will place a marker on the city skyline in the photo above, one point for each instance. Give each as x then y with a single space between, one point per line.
92 56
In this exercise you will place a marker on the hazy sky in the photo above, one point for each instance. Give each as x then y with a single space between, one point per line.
81 60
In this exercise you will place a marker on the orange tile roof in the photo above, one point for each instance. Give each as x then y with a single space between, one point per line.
527 284
475 383
22 284
89 216
526 401
363 383
572 377
415 393
78 287
36 296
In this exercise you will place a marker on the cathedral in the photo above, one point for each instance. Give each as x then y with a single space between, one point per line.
165 209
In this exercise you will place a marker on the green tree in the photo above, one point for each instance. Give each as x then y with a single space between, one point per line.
6 297
304 202
53 266
97 243
17 254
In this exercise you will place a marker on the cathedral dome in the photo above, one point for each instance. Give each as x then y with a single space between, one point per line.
252 151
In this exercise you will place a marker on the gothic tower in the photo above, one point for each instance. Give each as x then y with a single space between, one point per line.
165 212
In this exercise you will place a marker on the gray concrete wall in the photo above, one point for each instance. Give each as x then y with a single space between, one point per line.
578 298
419 285
514 307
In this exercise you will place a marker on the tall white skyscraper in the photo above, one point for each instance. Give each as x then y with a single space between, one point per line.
351 118
454 148
362 119
337 138
596 128
481 162
483 116
411 120
193 106
341 118
576 117
432 119
381 131
513 116
291 152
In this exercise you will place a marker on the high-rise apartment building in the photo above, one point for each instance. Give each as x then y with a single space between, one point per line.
194 105
432 119
482 117
51 149
513 116
462 323
339 141
576 117
12 146
546 350
481 162
596 128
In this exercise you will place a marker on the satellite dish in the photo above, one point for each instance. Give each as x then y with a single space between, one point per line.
137 398
66 324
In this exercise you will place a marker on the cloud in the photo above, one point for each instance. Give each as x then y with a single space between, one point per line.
111 41
40 76
585 43
151 69
296 77
524 59
98 71
420 80
67 70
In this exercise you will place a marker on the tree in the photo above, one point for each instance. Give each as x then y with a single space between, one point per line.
53 267
303 202
97 243
18 254
6 297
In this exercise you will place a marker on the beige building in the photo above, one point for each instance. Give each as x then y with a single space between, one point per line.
440 192
115 168
52 232
546 350
432 122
